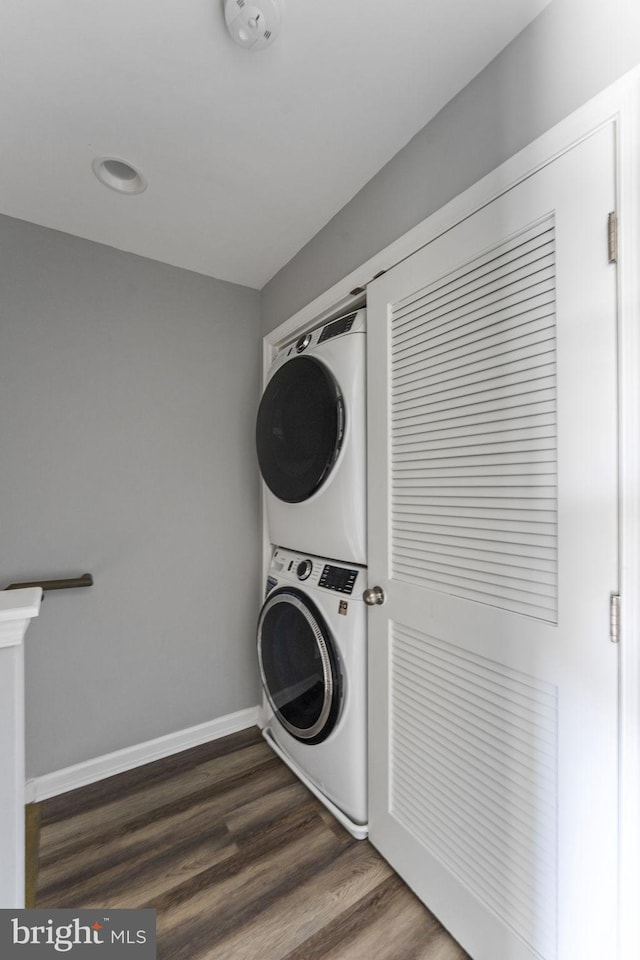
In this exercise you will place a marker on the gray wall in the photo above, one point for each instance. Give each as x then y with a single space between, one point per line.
574 49
128 392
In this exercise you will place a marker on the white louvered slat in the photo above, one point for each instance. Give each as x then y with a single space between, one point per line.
515 294
455 323
487 517
509 369
410 404
473 429
478 414
476 316
451 777
512 469
416 388
474 775
491 260
535 452
456 550
488 279
471 438
526 376
504 778
471 324
538 446
453 530
471 356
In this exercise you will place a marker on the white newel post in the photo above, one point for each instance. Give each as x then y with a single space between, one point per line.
17 607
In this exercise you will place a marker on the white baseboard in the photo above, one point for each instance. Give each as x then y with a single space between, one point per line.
90 771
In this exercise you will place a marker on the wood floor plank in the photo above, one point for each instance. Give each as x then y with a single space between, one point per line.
122 813
32 819
254 814
134 881
96 795
190 818
237 890
238 858
304 910
388 924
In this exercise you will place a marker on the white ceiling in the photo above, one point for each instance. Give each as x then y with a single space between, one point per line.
247 154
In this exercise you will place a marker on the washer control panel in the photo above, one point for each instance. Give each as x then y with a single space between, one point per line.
339 579
311 573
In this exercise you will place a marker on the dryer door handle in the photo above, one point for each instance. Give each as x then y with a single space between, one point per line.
374 596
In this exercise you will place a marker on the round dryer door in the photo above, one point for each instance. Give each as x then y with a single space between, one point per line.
299 665
299 429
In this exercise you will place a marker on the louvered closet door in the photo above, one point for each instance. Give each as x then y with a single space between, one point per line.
493 532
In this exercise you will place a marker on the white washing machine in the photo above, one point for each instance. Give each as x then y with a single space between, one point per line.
312 652
310 440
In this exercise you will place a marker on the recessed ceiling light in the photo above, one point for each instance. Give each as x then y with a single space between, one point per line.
118 175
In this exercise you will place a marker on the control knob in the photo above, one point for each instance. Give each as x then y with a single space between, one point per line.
304 569
303 342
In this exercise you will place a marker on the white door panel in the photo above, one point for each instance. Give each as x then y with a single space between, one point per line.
493 532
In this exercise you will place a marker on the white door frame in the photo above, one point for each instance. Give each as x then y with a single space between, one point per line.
618 105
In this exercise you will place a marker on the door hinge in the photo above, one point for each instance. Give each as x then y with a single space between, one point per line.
612 237
614 618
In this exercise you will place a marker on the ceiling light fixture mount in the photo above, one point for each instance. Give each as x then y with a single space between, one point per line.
118 175
254 24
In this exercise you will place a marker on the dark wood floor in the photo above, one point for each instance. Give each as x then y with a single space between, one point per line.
240 861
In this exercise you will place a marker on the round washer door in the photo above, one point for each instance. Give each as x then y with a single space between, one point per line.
299 665
299 429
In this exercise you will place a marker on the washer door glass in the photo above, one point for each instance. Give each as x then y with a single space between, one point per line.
298 665
299 429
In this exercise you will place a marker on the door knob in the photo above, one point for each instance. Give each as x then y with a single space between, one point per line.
374 596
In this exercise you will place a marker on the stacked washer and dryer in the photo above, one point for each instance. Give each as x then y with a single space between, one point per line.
310 439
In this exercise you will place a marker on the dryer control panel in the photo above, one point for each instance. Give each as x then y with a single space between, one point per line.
342 325
354 322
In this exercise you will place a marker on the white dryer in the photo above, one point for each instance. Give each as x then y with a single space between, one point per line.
310 440
312 652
